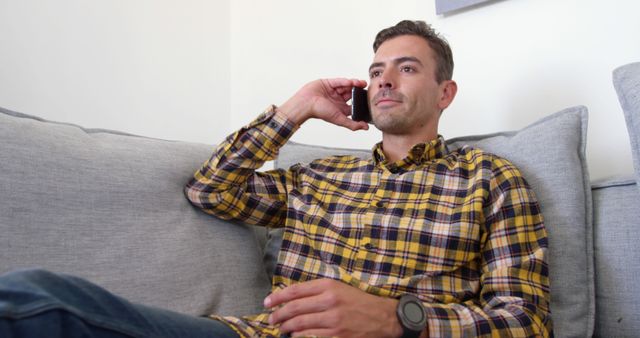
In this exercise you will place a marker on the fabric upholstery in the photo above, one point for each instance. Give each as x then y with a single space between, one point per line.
110 207
617 225
551 155
616 235
626 80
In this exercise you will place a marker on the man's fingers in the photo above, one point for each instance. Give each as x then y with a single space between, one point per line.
295 291
344 121
314 333
341 118
312 322
356 125
342 87
298 307
345 91
336 83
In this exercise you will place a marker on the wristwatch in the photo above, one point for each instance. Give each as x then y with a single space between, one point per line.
412 316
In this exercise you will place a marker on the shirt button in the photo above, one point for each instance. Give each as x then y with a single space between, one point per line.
273 125
379 204
368 246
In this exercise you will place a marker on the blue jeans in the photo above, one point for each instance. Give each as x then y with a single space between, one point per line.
37 303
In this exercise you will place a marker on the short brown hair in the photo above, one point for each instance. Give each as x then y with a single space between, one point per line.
440 46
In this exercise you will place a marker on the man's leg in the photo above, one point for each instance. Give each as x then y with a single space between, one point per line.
37 303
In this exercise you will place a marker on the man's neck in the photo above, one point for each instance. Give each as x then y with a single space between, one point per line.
396 147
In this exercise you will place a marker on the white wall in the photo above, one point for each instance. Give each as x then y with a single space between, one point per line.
516 61
195 70
158 68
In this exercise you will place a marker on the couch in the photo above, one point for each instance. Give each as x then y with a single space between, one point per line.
109 206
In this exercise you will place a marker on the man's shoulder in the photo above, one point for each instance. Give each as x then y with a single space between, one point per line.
483 159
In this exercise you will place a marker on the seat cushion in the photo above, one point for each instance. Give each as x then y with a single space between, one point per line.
616 225
110 207
551 155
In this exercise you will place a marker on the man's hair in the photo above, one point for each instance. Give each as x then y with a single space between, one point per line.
440 46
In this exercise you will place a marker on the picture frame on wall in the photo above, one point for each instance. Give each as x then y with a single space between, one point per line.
446 6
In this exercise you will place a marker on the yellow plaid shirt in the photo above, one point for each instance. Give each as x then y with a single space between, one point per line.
461 230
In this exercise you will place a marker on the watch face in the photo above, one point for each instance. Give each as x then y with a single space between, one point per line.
413 312
412 315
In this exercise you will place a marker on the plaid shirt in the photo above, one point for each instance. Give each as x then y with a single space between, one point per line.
461 230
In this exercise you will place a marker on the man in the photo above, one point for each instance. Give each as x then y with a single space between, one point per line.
455 235
417 241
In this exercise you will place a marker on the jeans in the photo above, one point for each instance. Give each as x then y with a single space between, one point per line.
37 303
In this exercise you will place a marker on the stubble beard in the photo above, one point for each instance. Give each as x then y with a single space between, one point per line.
391 122
394 120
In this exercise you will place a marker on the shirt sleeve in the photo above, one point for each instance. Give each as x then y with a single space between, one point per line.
514 284
228 185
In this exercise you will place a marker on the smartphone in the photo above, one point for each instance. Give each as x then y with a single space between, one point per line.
360 105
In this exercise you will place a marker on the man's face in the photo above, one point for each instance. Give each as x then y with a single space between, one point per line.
403 93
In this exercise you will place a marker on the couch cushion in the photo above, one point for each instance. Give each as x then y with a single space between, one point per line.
110 207
616 226
626 80
551 155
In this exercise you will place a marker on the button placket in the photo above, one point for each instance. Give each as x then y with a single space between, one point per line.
378 200
378 203
367 242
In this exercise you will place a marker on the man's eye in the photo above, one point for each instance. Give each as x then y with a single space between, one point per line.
374 73
406 69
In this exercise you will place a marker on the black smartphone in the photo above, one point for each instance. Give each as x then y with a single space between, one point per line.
360 105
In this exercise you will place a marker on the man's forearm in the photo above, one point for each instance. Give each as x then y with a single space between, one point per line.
229 187
470 320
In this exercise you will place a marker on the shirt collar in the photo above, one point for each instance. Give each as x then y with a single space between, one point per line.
418 154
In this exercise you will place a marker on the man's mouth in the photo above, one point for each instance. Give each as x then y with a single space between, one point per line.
385 100
385 97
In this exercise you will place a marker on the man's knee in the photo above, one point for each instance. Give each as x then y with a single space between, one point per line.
29 276
42 289
38 283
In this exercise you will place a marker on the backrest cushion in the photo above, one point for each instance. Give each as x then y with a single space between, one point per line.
626 80
110 207
551 155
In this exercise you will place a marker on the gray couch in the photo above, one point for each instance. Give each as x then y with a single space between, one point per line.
109 207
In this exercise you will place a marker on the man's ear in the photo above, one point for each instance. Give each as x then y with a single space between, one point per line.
448 90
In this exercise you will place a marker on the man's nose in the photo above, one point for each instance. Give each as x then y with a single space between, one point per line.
386 81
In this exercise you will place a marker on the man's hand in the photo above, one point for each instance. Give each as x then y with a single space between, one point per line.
324 99
330 308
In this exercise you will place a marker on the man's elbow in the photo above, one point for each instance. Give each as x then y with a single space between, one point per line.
198 195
